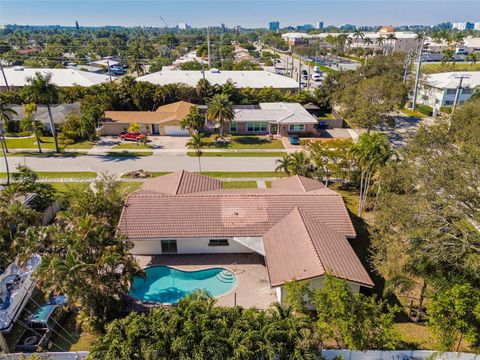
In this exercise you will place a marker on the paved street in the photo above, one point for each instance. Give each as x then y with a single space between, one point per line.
167 162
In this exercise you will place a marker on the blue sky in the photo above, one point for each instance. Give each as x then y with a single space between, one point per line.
233 12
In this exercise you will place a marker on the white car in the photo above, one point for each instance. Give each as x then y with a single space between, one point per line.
316 77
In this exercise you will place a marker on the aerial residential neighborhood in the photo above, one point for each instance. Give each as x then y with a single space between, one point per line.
262 180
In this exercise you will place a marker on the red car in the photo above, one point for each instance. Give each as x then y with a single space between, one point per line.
130 135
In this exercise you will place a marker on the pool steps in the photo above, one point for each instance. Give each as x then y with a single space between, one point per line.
225 276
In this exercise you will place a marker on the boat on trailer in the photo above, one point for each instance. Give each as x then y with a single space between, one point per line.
16 287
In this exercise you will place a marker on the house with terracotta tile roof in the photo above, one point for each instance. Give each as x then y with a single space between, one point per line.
164 121
300 228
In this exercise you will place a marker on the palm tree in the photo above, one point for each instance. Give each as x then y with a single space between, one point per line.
448 55
193 121
196 142
28 123
391 38
42 91
138 67
371 153
220 109
297 163
473 58
5 116
358 34
367 41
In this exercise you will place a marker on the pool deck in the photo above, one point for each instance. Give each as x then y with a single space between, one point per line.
253 285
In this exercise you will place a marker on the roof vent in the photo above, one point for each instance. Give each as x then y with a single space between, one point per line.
18 68
214 70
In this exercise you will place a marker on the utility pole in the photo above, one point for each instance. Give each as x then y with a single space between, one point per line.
4 77
459 88
407 64
417 76
208 46
2 132
299 76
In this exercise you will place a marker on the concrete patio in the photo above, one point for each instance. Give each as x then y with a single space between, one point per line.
252 288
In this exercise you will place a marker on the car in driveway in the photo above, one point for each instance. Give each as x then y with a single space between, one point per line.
42 325
131 135
294 139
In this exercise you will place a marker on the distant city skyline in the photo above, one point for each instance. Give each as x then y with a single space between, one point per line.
232 12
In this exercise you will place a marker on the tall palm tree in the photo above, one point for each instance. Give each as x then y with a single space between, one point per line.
220 110
358 34
196 142
473 58
193 121
371 153
42 91
28 123
138 67
6 113
448 55
391 38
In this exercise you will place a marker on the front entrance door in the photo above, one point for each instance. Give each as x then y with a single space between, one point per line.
156 129
169 246
274 129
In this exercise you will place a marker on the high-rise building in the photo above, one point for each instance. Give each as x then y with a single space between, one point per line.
320 25
183 26
305 27
464 25
274 25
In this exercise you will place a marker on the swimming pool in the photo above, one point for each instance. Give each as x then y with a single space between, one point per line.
168 285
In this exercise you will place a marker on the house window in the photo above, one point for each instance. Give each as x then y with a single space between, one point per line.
218 242
467 91
169 246
451 91
297 127
448 103
256 126
233 127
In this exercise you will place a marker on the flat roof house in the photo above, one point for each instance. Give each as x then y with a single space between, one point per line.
298 228
164 121
256 79
440 89
17 77
278 118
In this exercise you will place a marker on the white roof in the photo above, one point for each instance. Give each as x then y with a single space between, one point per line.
17 77
276 112
371 35
105 62
450 80
242 79
472 42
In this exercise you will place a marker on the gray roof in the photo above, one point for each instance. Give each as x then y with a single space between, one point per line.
59 112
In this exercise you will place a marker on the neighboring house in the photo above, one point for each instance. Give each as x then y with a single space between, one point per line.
18 76
301 228
440 89
256 79
59 113
279 118
242 54
164 121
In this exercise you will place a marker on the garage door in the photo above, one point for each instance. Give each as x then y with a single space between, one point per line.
175 130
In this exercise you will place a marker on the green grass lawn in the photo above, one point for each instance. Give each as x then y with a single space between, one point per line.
68 174
47 154
438 68
63 187
325 116
239 184
48 143
130 186
245 142
133 145
268 184
129 153
239 154
415 113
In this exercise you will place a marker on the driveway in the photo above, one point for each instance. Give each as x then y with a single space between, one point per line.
169 142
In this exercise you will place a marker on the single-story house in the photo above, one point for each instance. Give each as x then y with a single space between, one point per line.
278 118
440 89
18 76
59 113
301 228
255 79
164 121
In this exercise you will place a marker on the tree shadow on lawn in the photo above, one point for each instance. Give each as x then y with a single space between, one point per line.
48 154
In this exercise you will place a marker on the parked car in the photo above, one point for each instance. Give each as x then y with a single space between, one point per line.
294 139
130 135
42 325
316 77
316 69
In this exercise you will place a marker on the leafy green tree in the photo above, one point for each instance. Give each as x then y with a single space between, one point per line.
28 123
26 182
454 314
6 112
220 110
194 121
353 320
134 127
42 91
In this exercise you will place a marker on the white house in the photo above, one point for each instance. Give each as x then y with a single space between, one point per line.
440 89
301 228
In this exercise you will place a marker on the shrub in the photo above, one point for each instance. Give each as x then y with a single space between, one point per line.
424 109
446 109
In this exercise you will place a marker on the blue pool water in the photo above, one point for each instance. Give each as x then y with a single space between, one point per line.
168 285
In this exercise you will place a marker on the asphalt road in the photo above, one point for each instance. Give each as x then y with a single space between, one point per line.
164 162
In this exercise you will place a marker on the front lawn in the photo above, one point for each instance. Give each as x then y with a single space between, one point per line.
46 154
439 68
58 174
244 142
238 154
245 174
239 184
47 143
63 187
